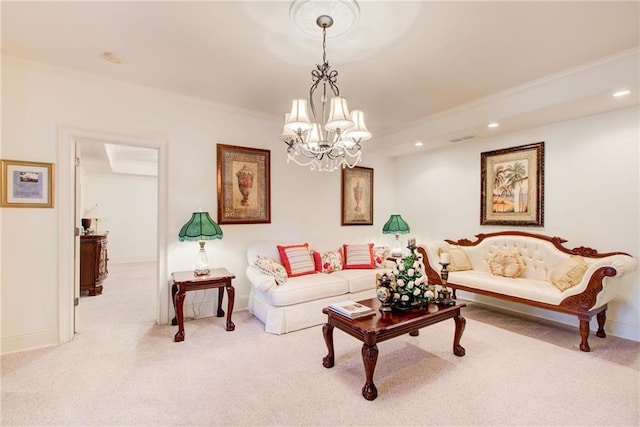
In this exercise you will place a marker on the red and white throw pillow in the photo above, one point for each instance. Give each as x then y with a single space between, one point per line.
297 259
357 256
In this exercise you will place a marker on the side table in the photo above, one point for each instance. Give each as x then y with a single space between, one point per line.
184 281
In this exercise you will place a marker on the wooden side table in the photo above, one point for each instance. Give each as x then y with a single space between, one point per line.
184 281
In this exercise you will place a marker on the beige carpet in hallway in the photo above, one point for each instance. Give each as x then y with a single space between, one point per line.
123 370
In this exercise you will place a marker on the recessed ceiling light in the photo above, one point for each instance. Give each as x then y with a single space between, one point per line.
493 125
419 144
113 58
620 93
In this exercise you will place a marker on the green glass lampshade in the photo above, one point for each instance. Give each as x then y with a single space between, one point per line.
395 225
200 227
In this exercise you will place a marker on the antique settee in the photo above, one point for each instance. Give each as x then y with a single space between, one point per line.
532 269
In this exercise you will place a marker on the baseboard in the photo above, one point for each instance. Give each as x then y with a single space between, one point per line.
127 260
31 341
612 326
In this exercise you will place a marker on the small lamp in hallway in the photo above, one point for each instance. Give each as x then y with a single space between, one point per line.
200 227
396 225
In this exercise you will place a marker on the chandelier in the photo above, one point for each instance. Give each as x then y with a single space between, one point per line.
331 138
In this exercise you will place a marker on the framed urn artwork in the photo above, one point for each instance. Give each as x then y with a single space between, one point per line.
357 196
244 185
27 184
512 186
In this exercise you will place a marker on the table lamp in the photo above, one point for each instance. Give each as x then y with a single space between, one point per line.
200 227
396 225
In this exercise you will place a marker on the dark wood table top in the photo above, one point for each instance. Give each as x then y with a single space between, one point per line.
214 274
383 326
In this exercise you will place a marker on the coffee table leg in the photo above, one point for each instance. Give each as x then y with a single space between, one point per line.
369 357
327 332
231 294
458 350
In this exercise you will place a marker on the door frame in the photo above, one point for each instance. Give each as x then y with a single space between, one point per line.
68 273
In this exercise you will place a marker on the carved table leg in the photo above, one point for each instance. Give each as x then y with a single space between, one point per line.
174 289
602 317
461 322
220 311
179 301
231 294
369 357
584 334
327 332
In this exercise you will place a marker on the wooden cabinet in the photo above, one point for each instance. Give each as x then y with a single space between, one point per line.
93 263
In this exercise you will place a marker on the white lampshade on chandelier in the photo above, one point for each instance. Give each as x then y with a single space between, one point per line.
330 138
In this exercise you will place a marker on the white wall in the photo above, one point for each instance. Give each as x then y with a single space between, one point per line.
128 207
37 99
592 188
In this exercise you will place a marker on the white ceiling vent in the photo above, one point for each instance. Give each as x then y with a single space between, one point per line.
463 138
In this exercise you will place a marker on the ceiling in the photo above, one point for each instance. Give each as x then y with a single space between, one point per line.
419 64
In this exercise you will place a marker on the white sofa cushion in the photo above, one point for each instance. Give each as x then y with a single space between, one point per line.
306 288
536 290
359 280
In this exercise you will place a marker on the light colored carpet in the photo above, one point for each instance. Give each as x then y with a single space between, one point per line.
122 369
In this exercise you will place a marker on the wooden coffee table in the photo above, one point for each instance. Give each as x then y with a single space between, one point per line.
383 326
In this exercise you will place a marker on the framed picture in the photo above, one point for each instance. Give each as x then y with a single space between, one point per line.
244 185
357 196
27 184
512 181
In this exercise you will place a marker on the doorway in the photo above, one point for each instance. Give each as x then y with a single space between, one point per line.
117 200
69 140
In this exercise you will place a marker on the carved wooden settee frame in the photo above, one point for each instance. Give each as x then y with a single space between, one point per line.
580 305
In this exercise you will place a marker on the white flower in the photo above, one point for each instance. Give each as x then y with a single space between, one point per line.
395 272
401 266
405 298
429 294
410 284
396 296
400 282
411 272
416 265
416 292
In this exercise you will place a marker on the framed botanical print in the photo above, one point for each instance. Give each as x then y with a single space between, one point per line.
244 185
512 186
357 196
27 184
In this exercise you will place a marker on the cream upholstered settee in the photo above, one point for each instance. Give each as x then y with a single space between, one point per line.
297 302
533 269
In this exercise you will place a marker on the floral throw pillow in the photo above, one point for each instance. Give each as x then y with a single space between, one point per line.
331 261
273 268
380 254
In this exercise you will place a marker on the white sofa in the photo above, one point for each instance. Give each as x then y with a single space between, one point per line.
298 303
542 256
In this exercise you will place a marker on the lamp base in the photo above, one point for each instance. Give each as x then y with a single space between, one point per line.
203 272
202 262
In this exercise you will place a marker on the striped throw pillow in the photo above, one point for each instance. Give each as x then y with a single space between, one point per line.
357 256
297 259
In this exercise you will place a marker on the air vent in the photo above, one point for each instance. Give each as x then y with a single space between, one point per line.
463 138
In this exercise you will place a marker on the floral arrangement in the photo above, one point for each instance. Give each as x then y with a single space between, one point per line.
411 287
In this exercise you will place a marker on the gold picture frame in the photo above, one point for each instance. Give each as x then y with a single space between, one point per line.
512 186
357 196
244 185
27 184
